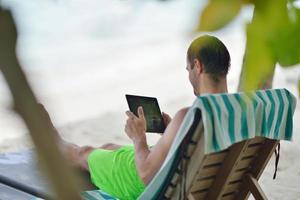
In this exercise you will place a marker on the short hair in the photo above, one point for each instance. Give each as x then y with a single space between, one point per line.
212 53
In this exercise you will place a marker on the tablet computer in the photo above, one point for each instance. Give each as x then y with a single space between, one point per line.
153 116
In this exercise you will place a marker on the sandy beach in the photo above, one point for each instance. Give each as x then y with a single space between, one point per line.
81 75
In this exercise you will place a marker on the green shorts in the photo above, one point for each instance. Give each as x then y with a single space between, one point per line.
114 172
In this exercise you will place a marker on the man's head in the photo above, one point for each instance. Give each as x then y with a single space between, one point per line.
208 62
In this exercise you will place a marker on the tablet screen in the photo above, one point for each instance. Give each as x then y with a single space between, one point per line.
151 109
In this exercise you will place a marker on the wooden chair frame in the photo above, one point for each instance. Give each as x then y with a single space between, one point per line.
230 174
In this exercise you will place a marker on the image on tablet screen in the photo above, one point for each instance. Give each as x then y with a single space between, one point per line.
151 111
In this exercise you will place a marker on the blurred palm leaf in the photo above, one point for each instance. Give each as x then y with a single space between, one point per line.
218 13
286 45
271 37
299 87
259 63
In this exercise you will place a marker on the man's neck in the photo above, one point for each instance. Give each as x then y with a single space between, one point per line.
209 87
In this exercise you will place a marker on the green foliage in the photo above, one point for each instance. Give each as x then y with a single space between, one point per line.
273 36
259 59
257 54
299 87
218 13
286 45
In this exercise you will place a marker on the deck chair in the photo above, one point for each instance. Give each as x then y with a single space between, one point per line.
223 156
222 147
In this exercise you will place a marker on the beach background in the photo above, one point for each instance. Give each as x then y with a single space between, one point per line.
81 58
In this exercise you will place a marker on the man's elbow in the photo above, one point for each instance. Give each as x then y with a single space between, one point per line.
146 175
146 178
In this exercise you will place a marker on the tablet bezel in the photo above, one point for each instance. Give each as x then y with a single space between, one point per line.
129 99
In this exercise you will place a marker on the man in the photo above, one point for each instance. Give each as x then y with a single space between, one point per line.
124 171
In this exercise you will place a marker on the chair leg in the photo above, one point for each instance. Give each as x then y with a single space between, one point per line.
254 187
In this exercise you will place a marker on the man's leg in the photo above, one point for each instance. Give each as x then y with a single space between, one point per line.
75 154
79 155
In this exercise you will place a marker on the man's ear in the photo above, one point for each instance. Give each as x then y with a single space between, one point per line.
199 66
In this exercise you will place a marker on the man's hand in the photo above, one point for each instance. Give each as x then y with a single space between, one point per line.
136 130
167 119
135 126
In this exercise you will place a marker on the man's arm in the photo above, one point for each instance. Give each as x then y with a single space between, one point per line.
148 162
136 130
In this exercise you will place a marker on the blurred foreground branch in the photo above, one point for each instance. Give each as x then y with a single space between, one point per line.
62 179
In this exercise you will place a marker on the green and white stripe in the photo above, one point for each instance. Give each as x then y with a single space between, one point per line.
96 195
92 195
230 118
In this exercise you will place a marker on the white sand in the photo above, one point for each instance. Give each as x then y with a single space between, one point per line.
81 68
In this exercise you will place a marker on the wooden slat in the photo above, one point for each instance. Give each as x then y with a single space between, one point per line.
175 193
244 163
202 184
175 178
169 192
232 187
213 165
237 176
195 156
243 166
259 165
190 150
230 196
234 156
215 158
264 157
246 169
200 195
210 171
257 140
198 133
252 150
235 180
196 161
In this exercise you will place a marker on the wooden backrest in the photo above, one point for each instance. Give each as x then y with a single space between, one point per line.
220 175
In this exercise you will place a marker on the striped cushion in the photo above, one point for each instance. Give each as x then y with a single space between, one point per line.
230 118
91 195
96 195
